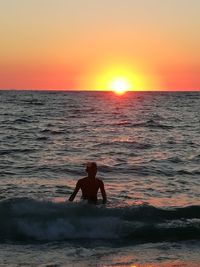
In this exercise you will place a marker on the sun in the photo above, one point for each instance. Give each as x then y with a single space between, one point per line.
120 78
119 85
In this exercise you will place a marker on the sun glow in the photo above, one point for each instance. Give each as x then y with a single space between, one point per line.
119 85
119 78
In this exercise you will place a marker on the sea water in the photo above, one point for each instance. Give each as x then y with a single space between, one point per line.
147 147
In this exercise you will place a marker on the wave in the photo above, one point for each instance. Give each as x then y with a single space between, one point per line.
155 124
29 220
53 132
125 143
185 172
123 123
151 124
34 102
23 120
16 150
144 124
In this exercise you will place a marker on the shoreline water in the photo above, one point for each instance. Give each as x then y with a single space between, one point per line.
62 255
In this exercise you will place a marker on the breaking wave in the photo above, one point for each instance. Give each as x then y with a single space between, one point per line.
29 220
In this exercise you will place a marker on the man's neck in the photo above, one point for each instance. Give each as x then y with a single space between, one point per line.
91 177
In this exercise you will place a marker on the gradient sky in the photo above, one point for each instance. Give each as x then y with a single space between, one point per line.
69 44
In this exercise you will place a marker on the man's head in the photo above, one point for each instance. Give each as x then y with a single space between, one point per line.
91 168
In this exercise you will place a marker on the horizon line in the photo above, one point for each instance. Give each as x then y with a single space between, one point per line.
95 90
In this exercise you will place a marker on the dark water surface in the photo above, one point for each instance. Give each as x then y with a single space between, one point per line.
147 147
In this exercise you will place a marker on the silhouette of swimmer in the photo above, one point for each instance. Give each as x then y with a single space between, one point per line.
90 185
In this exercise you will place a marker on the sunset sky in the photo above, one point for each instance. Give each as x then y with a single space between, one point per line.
85 44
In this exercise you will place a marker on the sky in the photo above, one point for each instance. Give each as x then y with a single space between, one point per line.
84 44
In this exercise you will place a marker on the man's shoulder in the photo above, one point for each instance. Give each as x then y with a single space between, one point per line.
85 179
82 180
99 181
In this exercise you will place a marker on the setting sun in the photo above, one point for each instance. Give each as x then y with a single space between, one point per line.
120 85
120 78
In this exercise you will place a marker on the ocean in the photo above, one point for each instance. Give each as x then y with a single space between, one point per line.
147 148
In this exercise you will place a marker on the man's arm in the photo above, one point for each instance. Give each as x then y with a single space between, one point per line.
103 192
71 198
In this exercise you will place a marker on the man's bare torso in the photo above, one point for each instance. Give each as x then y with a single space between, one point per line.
89 188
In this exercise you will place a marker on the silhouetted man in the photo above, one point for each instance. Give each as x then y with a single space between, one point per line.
90 185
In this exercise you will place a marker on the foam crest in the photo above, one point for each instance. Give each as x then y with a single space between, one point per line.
29 220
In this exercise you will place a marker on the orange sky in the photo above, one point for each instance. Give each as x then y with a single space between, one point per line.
74 44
